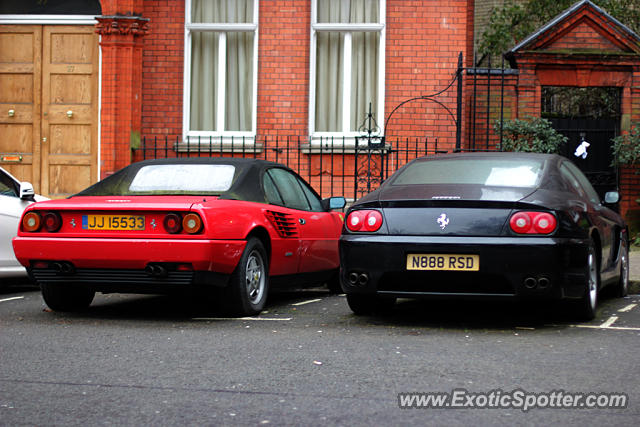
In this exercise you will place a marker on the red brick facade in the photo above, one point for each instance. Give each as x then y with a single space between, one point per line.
423 40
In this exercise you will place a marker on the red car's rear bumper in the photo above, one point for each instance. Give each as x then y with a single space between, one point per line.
220 256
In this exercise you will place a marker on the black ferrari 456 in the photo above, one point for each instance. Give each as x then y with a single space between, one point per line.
486 225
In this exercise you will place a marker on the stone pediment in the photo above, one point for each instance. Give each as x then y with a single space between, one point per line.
583 28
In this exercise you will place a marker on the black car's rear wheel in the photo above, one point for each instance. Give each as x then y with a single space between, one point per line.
623 282
370 304
586 307
60 297
249 283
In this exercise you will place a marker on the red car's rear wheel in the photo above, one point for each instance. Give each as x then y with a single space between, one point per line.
247 291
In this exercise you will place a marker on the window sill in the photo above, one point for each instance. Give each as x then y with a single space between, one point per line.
219 144
344 145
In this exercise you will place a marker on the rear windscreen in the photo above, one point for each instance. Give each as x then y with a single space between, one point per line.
183 178
490 172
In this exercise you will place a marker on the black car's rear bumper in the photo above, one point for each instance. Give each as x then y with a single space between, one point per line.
510 267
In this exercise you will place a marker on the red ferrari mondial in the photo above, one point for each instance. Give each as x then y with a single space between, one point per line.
161 226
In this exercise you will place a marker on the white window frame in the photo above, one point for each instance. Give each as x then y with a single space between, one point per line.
346 137
222 139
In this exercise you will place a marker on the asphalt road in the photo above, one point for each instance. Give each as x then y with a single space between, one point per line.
145 360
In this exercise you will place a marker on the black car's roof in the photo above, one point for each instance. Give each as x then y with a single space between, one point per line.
492 154
389 191
247 182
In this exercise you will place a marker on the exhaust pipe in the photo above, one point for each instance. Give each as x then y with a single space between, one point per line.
363 279
62 267
530 282
67 268
353 278
155 270
358 279
543 282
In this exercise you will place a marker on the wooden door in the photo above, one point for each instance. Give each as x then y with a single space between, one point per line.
69 109
52 76
20 97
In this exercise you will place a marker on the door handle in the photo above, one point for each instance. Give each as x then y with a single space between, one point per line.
301 221
12 113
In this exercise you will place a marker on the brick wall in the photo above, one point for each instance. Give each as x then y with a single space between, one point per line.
423 42
424 39
163 68
283 70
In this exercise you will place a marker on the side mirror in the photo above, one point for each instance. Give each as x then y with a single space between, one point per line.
334 203
611 197
26 191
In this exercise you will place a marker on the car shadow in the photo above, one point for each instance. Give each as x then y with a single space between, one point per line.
182 307
483 315
12 286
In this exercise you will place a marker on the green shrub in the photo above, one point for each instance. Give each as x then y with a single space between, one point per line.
534 135
626 148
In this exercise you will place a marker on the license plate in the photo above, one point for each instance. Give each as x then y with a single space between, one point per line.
443 262
113 222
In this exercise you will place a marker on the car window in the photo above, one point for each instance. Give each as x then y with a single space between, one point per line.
183 178
314 201
489 171
7 186
270 190
571 181
289 188
591 193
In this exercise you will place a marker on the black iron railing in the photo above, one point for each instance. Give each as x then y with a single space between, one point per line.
347 166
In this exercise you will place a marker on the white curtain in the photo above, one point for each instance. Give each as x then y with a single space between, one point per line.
330 67
204 66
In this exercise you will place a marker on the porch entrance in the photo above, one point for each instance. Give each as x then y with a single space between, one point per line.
591 115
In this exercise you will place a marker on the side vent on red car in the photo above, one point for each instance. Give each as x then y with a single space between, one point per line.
284 223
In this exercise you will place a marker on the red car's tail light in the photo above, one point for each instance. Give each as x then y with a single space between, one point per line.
172 223
533 222
192 223
31 221
364 220
52 221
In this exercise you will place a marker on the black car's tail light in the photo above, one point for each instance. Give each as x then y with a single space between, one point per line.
192 223
364 220
533 223
31 221
52 221
172 223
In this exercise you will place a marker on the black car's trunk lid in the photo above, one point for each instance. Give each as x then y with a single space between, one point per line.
460 210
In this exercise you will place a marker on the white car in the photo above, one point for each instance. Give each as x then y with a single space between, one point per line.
15 196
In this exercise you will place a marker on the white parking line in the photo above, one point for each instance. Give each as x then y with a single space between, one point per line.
610 328
627 308
244 318
10 299
610 321
307 302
